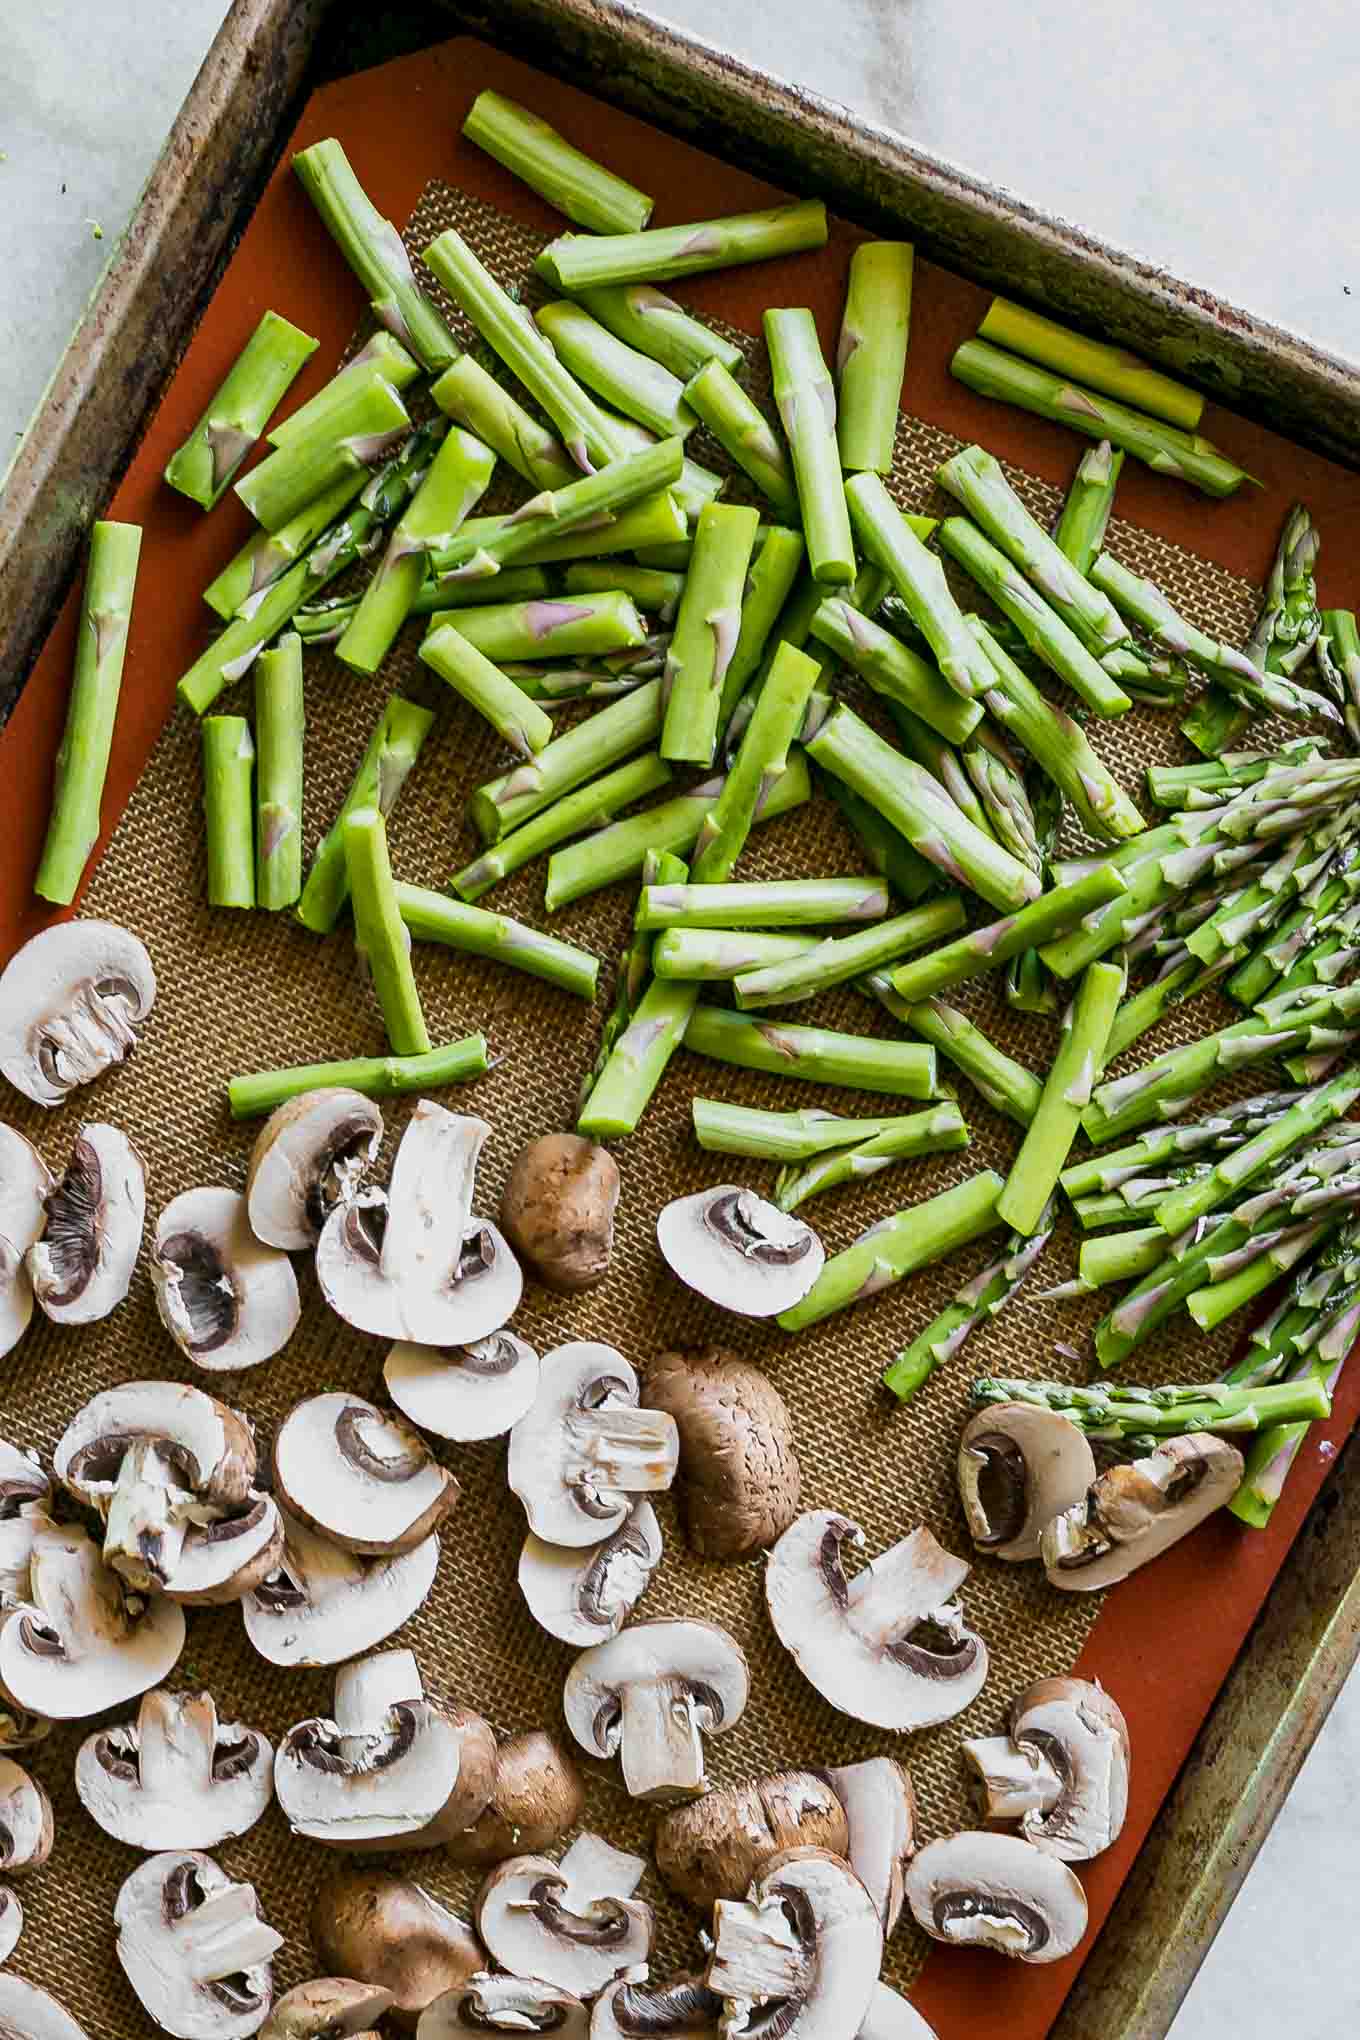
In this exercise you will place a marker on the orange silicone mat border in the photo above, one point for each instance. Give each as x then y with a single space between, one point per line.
400 125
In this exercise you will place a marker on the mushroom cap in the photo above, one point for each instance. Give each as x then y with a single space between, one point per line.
716 1846
25 1820
584 1594
31 2014
880 1811
227 1300
537 1796
360 1475
1082 1733
222 1560
740 1482
1135 1511
81 1268
739 1251
70 1001
987 1890
583 1432
11 1922
853 1639
650 1693
326 1604
208 1445
464 1392
575 1924
890 2017
808 1934
557 1210
195 1948
386 1930
16 1297
22 1481
310 1155
328 2008
78 1647
176 1777
1019 1467
683 2009
505 2004
25 1183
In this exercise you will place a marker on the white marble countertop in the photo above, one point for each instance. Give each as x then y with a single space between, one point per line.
1185 130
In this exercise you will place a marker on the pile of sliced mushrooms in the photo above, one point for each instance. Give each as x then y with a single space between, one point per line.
158 1501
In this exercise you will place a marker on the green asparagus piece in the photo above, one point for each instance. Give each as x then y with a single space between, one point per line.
434 917
793 626
894 670
1221 1297
996 774
717 955
375 252
520 722
377 1076
325 622
1287 626
1067 1091
1005 1084
706 630
1132 1413
603 740
380 359
358 435
769 583
897 1247
590 807
1042 628
83 759
202 469
1121 1256
654 517
1146 676
840 958
1273 1451
761 762
525 143
1080 530
1216 721
933 1132
1219 1131
578 262
587 504
1256 1157
920 743
783 903
1147 1007
280 717
656 325
985 949
1141 862
379 934
1338 658
742 430
972 1306
887 853
918 578
632 978
631 382
782 1136
229 810
638 1060
899 1069
1095 362
871 358
553 629
656 593
1211 779
388 757
806 401
473 398
266 555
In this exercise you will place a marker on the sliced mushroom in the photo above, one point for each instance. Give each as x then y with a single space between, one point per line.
30 2014
505 2004
890 1646
221 1561
806 1942
22 1481
983 1890
25 1184
195 1948
537 1796
413 1263
387 1931
70 1003
651 1695
739 1251
360 1475
585 1448
1063 1772
227 1300
82 1266
25 1820
740 1483
890 2017
11 1922
684 2009
329 2008
557 1210
84 1641
325 1604
176 1777
880 1809
390 1769
16 1297
716 1846
1134 1512
575 1923
464 1392
584 1594
309 1156
1019 1467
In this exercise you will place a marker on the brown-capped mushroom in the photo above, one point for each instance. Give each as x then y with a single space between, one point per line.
714 1847
31 2014
25 1184
683 2009
464 1392
70 1003
984 1890
388 1931
325 1604
227 1300
221 1561
328 2008
880 1812
573 1923
195 1948
584 1593
890 1646
1063 1771
360 1475
309 1156
740 1483
176 1777
557 1210
585 1448
81 1267
505 2004
804 1948
1019 1467
1135 1511
739 1250
537 1796
651 1696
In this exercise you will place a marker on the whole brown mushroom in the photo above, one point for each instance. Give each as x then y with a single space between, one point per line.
538 1795
557 1210
716 1846
740 1482
387 1931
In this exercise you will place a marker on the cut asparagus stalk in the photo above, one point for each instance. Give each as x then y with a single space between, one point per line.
785 1136
380 359
806 401
280 717
840 958
761 762
578 262
1273 1451
1048 637
377 1076
769 582
985 949
357 436
472 397
580 754
1142 862
1220 1131
656 325
655 592
1122 1256
1132 1414
887 853
203 468
590 503
1221 1297
379 934
971 1307
1005 1084
638 1060
584 627
590 807
520 722
942 762
933 1132
706 629
1338 660
1078 1062
871 358
383 770
782 903
229 810
1211 779
92 709
918 578
743 431
1287 626
434 917
1138 1015
1102 367
633 975
1216 721
615 372
375 252
652 521
533 151
897 1247
266 555
894 670
999 781
1081 527
1256 1157
899 1069
717 955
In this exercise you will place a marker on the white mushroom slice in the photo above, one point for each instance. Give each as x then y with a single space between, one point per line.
1063 1772
575 1923
1019 1467
70 1001
227 1300
890 2017
221 1561
464 1392
505 2004
684 2009
310 1155
360 1475
326 1604
584 1594
1134 1512
25 1820
807 1940
83 1642
82 1266
740 1251
390 1769
585 1448
22 1480
890 1646
11 1922
176 1777
194 1947
328 2008
30 2014
25 1182
984 1890
651 1695
16 1297
880 1812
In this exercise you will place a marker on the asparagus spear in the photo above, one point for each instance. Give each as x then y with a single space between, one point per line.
1209 779
706 629
383 770
887 853
434 917
899 1069
1338 659
806 400
972 1306
642 1034
266 555
578 262
379 934
1137 1015
871 358
590 807
202 469
508 631
924 1133
374 251
656 325
473 398
785 1136
1222 1295
1085 517
358 435
918 578
1219 1131
717 955
996 775
228 810
1254 1158
83 759
784 903
894 670
655 592
1067 1091
1273 1451
1133 1414
1041 627
942 762
280 717
1005 1084
1121 1256
593 536
840 958
769 582
1288 623
520 722
1216 721
615 372
761 762
589 503
987 948
380 359
602 740
582 189
897 1247
742 430
1095 362
377 1076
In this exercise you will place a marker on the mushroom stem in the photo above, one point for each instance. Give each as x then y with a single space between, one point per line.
908 1583
662 1750
1012 1780
148 1515
631 1451
757 1954
224 1934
